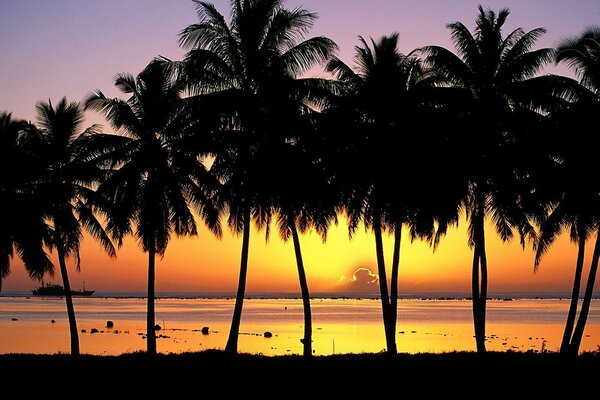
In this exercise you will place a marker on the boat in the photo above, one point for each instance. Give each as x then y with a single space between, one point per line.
50 289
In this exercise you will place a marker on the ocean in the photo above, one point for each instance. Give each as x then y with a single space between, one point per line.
340 324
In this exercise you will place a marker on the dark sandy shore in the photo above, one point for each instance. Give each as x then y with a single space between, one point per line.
221 375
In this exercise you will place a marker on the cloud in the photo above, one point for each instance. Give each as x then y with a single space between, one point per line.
363 280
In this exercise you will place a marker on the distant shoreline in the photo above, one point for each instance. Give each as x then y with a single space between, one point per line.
315 296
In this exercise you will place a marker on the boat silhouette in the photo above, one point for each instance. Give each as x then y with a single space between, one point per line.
50 289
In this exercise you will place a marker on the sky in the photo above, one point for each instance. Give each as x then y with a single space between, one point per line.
71 47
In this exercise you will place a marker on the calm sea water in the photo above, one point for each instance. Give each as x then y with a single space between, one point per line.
341 325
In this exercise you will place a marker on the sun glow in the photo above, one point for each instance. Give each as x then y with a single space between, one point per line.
206 264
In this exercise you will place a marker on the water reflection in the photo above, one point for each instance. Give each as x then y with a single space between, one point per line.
340 325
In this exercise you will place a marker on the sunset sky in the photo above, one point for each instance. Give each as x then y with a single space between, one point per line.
52 49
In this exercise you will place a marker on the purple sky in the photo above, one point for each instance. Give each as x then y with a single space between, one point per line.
52 49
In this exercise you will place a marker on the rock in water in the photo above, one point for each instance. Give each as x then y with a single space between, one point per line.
14 319
52 321
83 331
157 327
205 330
267 334
94 330
109 324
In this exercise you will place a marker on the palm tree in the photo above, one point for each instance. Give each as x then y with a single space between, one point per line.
388 91
23 227
566 205
302 198
251 67
573 208
496 75
71 171
582 53
157 173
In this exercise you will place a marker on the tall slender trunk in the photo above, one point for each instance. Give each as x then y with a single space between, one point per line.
479 279
232 342
475 291
150 316
483 291
307 341
570 324
390 335
587 299
68 300
394 277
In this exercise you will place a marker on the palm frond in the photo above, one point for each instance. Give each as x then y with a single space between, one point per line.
545 93
342 72
284 224
204 71
201 35
582 53
466 44
448 65
287 28
125 83
94 227
364 57
550 229
525 65
519 43
307 54
117 112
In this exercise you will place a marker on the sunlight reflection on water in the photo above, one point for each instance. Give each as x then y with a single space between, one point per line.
339 325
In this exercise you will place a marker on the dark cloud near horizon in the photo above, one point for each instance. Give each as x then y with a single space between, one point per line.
363 280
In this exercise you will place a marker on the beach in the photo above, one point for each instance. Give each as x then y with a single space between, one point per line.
340 325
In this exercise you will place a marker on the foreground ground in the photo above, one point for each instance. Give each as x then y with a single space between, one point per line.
220 375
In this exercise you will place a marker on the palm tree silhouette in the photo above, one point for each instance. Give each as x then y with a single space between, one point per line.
71 171
573 205
250 67
303 198
157 174
582 53
23 228
387 90
496 76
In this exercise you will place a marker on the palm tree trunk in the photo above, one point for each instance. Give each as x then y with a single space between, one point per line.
385 300
479 282
68 300
587 299
483 291
569 325
307 341
234 331
394 277
150 317
475 291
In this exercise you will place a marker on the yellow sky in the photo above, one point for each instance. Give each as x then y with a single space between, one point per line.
205 264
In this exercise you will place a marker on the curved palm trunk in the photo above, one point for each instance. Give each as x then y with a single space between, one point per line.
394 278
569 325
483 291
150 317
390 337
479 282
307 341
587 299
68 300
234 331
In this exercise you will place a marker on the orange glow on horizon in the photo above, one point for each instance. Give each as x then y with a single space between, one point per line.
206 264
